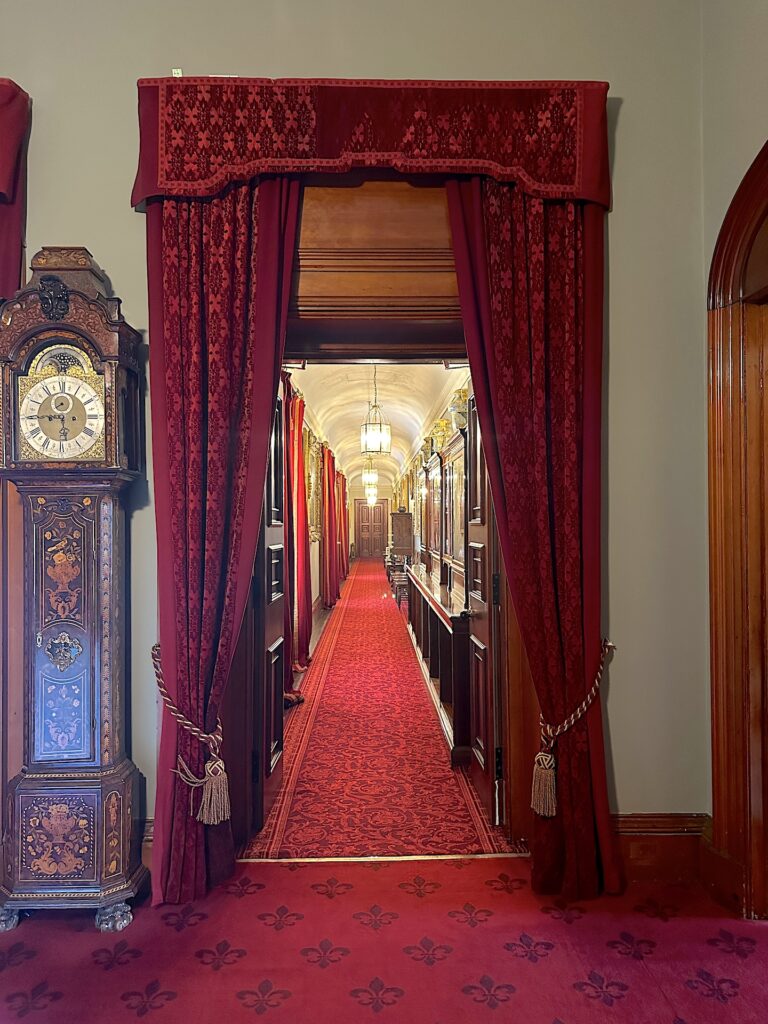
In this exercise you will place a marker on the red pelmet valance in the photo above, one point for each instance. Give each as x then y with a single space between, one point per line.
198 135
14 133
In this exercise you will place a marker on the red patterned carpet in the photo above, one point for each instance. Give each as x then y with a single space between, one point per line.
407 942
367 771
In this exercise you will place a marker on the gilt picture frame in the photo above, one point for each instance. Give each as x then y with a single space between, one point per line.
313 469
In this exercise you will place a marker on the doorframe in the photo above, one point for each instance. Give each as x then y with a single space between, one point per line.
734 856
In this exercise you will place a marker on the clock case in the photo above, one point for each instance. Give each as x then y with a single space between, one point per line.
72 835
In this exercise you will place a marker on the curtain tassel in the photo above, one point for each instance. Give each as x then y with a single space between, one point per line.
544 785
214 799
544 790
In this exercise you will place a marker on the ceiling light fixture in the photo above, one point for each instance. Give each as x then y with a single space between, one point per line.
370 473
375 433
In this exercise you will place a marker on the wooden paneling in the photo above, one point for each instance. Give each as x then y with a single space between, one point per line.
374 268
382 248
441 638
479 702
520 712
252 707
734 856
660 847
12 653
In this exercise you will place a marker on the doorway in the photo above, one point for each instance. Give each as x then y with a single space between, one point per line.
374 282
735 855
371 531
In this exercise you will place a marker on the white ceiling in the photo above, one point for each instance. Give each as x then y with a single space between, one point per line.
411 395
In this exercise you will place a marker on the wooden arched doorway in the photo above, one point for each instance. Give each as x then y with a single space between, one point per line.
734 857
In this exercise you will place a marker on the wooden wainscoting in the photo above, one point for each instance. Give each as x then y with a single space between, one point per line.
661 847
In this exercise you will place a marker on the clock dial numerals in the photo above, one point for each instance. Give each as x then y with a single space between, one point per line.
62 417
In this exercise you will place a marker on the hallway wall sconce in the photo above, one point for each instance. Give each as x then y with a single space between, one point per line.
375 433
440 433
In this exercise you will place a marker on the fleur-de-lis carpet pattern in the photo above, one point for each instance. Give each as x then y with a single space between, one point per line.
410 942
367 770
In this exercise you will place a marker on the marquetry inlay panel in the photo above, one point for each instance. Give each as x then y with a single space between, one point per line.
57 837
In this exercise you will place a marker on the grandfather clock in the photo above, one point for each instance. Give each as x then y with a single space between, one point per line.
71 443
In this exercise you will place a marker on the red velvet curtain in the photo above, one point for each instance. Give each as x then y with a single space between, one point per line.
289 535
329 544
14 132
219 276
342 525
299 609
530 283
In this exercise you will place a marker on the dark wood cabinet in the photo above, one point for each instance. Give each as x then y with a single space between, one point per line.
402 534
441 637
252 709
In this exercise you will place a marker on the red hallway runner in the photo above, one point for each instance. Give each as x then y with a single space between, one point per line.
367 769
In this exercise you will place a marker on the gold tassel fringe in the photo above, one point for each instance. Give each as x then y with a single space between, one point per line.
214 805
214 802
544 790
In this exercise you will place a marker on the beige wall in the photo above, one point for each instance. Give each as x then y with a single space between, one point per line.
80 61
735 82
314 568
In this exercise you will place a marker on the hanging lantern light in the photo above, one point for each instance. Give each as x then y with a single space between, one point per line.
372 491
375 433
370 473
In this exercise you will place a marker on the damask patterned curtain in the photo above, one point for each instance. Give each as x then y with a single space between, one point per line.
530 278
329 541
342 524
219 274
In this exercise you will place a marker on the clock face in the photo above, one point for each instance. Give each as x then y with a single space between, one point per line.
62 417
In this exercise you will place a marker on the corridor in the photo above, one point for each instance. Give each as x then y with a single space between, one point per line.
367 771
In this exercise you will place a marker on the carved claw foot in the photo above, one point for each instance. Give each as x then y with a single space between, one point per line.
114 917
9 919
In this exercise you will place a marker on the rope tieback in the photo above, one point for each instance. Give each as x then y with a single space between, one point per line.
544 788
214 801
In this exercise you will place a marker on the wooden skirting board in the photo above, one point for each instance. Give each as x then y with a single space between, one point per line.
657 847
661 847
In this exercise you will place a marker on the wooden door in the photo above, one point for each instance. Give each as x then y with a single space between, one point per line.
482 598
252 710
371 533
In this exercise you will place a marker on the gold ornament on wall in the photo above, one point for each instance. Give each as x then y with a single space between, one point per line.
313 470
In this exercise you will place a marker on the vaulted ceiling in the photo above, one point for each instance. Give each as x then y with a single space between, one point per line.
412 397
